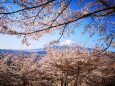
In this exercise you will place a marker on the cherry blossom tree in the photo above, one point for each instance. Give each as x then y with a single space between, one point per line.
72 67
34 18
60 67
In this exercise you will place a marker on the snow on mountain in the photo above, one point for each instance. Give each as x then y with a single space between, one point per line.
66 42
70 44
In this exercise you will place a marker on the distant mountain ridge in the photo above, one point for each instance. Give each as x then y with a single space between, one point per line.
28 51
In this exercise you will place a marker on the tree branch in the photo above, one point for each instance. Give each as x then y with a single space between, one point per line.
71 21
28 8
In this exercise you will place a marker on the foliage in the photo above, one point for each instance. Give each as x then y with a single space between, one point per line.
34 18
66 67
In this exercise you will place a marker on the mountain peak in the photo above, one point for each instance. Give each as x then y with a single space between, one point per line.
66 42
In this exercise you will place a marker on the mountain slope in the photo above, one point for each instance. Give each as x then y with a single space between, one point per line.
36 51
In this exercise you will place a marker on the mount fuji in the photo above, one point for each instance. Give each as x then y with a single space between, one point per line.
66 42
69 44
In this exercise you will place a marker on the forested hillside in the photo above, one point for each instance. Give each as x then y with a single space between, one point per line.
66 67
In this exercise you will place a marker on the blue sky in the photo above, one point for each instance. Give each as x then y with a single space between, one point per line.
13 42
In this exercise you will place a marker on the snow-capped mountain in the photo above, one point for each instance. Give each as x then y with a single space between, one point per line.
67 42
